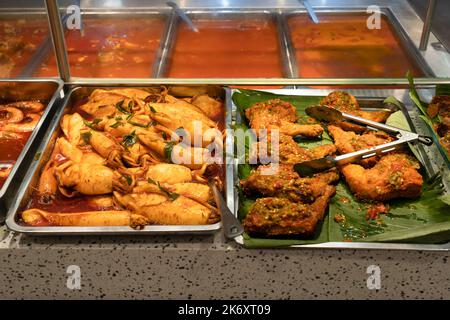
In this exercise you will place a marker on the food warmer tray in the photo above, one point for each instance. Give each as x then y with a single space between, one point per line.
170 35
433 160
46 90
45 51
42 49
42 154
404 40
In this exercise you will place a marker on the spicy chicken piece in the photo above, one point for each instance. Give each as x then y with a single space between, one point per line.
445 142
440 106
394 176
286 183
281 115
279 216
289 151
345 102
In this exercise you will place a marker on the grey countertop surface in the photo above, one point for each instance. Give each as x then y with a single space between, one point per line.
203 267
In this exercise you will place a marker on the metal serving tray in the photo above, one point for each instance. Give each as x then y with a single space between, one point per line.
46 49
410 49
432 159
49 91
166 48
43 154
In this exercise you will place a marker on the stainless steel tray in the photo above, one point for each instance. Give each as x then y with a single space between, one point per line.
43 154
409 47
49 91
166 48
43 53
432 160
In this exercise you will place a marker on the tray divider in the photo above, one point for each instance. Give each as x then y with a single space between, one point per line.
165 48
290 68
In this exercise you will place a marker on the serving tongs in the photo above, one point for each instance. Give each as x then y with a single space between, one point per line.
328 114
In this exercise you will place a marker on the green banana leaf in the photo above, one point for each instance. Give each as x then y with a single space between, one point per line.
424 220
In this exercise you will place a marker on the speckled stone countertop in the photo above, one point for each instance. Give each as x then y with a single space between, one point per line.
203 267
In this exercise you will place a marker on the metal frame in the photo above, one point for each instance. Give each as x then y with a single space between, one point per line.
407 19
401 12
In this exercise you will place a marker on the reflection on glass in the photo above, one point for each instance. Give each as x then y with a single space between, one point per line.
341 46
226 48
121 47
19 40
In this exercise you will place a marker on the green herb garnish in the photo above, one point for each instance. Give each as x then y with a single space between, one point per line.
86 136
137 124
152 109
168 148
129 139
119 106
93 123
116 125
127 179
172 195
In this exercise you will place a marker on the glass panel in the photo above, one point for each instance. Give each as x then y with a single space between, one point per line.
341 46
226 46
23 35
118 46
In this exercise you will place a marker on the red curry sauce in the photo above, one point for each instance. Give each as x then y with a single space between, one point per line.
227 48
111 47
11 146
341 46
20 38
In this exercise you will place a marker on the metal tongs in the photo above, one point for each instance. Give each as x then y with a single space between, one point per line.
329 114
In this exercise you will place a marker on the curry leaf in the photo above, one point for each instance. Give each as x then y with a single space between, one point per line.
86 137
168 148
119 106
116 125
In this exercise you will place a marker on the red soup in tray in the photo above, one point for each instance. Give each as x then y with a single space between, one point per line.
115 47
341 46
17 121
226 47
20 38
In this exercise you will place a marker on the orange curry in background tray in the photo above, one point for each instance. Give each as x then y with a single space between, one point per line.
341 46
227 48
20 39
111 48
17 121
